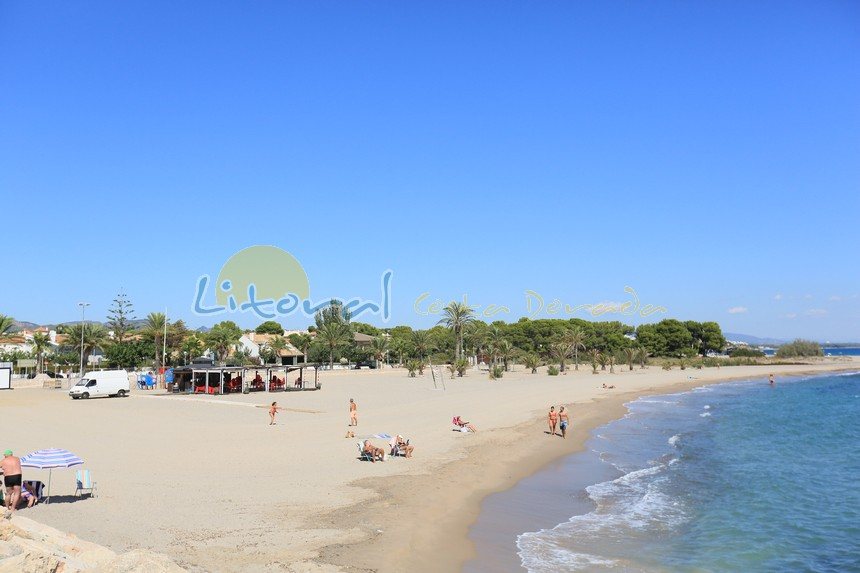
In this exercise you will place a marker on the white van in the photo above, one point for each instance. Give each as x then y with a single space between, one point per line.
102 383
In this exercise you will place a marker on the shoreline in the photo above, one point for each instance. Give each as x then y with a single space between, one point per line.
307 504
408 540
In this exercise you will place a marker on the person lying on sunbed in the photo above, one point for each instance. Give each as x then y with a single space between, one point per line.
462 424
398 444
374 452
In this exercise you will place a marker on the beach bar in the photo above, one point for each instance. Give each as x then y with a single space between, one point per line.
213 379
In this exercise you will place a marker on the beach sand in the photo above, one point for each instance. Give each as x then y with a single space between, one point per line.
206 481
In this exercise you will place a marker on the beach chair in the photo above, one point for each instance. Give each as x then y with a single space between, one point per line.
85 483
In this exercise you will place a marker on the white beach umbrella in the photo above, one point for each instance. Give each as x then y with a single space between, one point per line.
48 460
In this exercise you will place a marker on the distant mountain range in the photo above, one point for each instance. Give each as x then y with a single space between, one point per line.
754 340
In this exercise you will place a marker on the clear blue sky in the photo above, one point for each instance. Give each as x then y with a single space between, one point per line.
707 155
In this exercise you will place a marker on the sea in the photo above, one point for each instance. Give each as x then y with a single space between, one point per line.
828 351
734 477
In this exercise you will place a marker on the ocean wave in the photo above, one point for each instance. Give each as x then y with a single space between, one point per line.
636 501
704 414
673 441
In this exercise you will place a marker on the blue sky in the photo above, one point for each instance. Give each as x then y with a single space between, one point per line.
705 155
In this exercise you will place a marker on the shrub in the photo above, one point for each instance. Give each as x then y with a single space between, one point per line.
667 366
799 348
552 370
745 352
497 372
461 366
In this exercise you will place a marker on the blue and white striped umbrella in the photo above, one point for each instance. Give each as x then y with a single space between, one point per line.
50 459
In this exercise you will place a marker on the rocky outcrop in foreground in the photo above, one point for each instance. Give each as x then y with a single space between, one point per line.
30 547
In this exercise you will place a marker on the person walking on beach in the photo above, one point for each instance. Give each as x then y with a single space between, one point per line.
272 411
565 420
552 419
353 413
11 467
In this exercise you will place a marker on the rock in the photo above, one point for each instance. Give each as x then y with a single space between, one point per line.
140 561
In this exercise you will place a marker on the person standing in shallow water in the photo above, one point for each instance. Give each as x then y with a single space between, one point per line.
353 413
552 420
771 380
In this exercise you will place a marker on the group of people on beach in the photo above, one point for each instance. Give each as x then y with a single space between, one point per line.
558 419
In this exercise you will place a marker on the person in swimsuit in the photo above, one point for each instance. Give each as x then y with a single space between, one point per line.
11 467
771 380
552 420
353 413
272 411
401 445
565 421
375 453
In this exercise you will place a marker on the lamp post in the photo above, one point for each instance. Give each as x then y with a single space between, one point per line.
83 306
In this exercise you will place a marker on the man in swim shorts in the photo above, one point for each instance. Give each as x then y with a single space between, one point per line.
11 467
565 421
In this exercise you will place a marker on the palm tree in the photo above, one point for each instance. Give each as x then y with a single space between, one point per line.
531 361
574 337
456 316
506 353
379 349
493 340
154 328
421 343
40 342
596 356
302 341
399 347
630 356
192 346
94 336
273 349
6 324
560 351
332 328
641 356
476 337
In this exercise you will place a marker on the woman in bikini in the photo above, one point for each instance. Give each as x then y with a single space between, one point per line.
552 419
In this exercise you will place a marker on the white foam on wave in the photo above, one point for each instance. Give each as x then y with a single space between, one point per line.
704 414
707 407
634 501
673 441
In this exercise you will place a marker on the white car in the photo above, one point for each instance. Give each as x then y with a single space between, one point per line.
103 383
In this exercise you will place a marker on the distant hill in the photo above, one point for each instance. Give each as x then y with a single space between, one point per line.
754 340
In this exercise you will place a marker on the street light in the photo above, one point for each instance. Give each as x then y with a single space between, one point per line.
83 306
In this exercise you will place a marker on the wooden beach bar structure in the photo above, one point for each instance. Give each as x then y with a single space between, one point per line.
215 379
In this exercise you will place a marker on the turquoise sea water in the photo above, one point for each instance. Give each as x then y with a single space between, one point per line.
733 477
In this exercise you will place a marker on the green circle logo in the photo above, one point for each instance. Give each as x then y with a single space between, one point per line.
272 272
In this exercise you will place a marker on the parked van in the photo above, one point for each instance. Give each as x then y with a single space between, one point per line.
103 383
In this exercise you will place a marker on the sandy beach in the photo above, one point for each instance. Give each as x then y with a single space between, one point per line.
206 480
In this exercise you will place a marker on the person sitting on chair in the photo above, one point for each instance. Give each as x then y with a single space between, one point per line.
461 424
374 452
401 445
